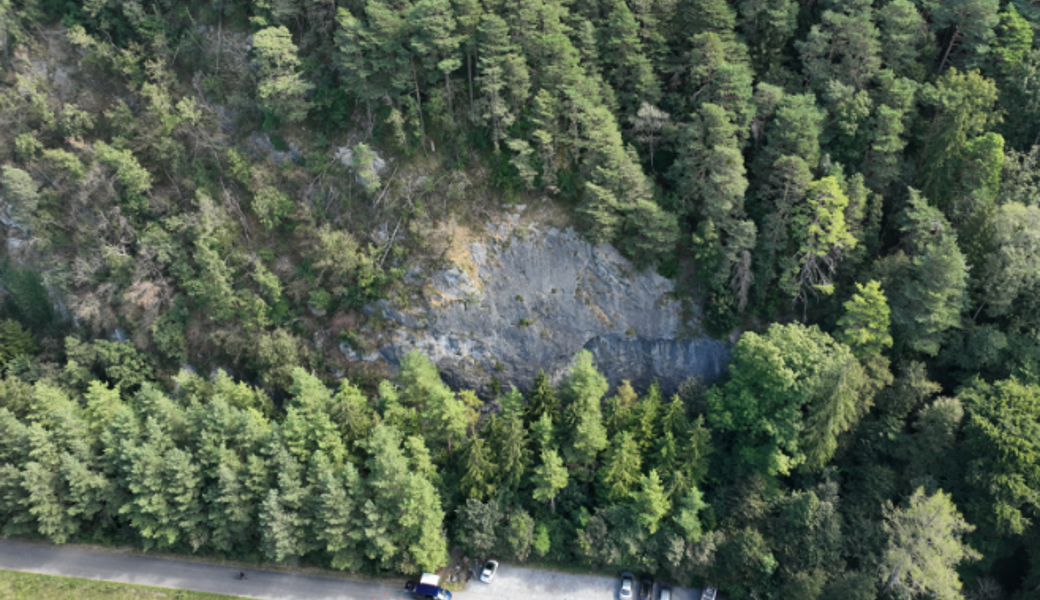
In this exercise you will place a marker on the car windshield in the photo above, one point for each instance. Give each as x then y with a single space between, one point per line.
489 566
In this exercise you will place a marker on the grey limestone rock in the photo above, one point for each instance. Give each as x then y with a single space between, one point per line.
530 299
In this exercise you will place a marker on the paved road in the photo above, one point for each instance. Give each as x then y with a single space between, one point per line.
511 583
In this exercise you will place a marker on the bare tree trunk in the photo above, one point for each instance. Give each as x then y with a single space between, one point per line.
418 102
953 40
469 72
447 89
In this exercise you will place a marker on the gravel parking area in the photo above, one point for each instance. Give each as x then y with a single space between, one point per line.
519 583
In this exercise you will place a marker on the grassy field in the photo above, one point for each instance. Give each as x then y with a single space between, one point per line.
29 586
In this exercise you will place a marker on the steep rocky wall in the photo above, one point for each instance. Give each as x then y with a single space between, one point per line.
529 298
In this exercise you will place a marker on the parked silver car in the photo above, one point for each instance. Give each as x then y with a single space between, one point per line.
628 584
490 568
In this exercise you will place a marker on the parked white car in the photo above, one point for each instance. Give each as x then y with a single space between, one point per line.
628 583
490 568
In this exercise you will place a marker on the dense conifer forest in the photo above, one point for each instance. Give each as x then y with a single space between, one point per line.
201 195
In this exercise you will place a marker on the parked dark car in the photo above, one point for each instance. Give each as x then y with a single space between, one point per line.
646 588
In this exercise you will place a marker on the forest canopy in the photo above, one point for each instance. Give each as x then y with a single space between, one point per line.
203 201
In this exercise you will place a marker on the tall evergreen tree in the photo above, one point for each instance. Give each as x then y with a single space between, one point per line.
281 88
541 400
627 67
549 478
925 546
583 390
651 502
621 469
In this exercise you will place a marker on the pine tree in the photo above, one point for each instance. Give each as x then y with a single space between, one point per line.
231 508
886 130
182 483
549 478
494 107
970 24
925 546
541 400
927 284
655 233
687 517
844 46
148 509
818 228
479 474
353 43
512 404
422 522
963 110
1014 39
434 40
21 193
281 88
545 119
600 210
720 75
402 515
543 432
647 417
43 502
905 39
284 522
88 491
279 527
583 390
479 522
468 14
699 16
336 492
768 25
619 409
627 67
352 413
795 130
510 449
709 169
621 469
864 327
651 502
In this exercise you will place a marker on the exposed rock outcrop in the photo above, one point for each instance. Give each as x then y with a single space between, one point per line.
530 298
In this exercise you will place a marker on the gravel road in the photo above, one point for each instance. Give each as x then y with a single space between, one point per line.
518 583
511 583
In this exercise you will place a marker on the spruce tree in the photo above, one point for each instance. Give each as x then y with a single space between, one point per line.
478 473
621 469
541 400
549 478
282 90
651 502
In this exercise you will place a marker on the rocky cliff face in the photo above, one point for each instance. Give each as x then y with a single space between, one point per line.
529 298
